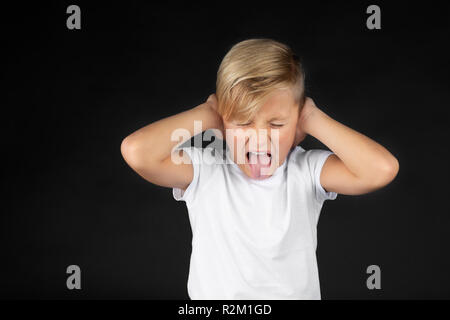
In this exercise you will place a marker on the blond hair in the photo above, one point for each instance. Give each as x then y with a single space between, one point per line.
250 71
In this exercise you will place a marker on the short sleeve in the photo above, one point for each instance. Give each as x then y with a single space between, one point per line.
316 160
187 195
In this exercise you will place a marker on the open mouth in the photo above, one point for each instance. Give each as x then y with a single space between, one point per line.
265 156
258 164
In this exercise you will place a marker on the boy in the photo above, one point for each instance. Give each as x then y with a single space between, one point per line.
254 217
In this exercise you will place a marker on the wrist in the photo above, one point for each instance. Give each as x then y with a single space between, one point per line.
313 121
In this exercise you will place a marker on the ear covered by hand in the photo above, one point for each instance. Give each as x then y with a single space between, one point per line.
308 108
213 103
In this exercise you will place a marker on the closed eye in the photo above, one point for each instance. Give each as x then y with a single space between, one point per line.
277 125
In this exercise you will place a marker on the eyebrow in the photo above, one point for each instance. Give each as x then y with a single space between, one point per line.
278 118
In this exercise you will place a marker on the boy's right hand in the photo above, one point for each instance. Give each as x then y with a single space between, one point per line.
213 103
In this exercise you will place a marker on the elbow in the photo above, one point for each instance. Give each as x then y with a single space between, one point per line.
130 151
387 173
395 168
392 169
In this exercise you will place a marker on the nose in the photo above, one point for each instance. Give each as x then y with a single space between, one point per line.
258 138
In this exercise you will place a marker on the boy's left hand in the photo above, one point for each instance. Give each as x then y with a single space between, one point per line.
308 108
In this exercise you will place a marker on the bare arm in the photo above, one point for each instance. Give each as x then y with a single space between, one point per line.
148 151
360 165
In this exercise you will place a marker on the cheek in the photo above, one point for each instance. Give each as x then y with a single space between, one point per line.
287 136
234 138
239 136
233 134
286 139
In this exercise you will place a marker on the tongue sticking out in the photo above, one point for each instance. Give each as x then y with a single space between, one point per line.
257 163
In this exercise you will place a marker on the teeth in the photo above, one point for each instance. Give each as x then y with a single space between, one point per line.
262 152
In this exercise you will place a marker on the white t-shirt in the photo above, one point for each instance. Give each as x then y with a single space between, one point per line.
254 239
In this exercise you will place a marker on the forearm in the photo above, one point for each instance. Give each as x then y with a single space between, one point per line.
154 142
365 158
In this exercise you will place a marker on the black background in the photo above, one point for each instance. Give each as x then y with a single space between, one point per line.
70 96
